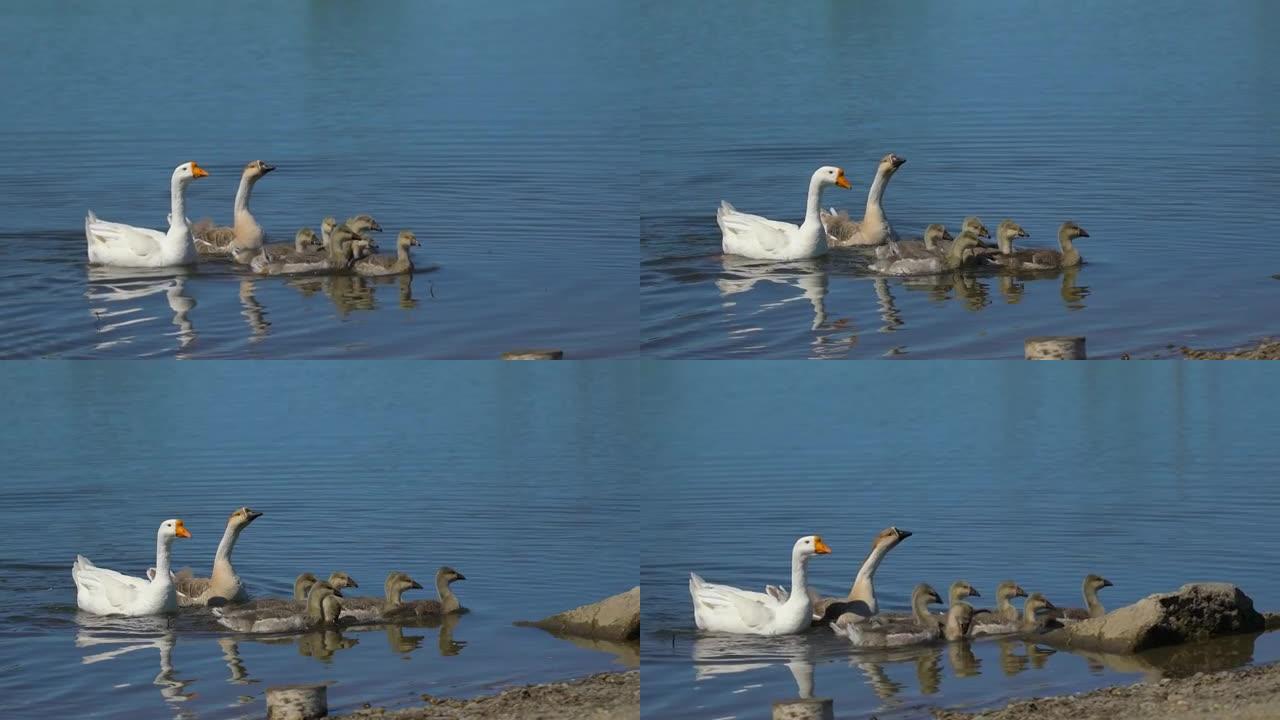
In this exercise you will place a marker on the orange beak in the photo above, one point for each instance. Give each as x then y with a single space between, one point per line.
198 171
182 531
842 181
818 546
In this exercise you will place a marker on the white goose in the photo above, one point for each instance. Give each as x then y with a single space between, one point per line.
760 238
128 246
107 592
723 608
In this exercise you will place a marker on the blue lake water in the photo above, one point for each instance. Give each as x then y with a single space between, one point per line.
520 476
1152 476
490 129
1152 125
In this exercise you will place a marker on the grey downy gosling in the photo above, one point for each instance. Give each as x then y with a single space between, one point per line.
935 263
1032 618
1005 617
885 631
446 604
244 234
344 245
874 227
223 585
322 608
327 226
1046 259
935 239
956 594
301 586
1093 607
387 265
372 609
305 244
1006 256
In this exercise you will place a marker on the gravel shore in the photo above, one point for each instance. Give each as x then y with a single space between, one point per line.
1263 350
1251 693
606 696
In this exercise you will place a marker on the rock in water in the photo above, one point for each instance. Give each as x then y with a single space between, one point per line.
1196 611
614 618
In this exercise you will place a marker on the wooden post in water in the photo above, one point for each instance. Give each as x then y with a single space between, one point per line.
1055 348
804 709
533 355
297 702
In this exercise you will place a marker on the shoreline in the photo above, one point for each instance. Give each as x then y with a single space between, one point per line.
611 695
1265 349
1248 693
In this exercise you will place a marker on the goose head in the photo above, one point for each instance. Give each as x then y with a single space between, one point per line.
406 238
360 223
1095 583
926 592
339 580
1011 230
962 589
321 587
304 238
327 225
961 617
831 175
1037 602
973 225
810 545
1008 590
889 164
967 239
400 582
935 234
889 538
188 171
256 170
173 528
448 575
242 517
1070 231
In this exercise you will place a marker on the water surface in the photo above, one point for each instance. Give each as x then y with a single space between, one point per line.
1150 476
1150 125
487 128
517 477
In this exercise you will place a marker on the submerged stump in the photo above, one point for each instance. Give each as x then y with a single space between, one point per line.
804 709
297 702
1055 347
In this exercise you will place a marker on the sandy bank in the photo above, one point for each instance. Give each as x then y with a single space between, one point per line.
1251 693
605 696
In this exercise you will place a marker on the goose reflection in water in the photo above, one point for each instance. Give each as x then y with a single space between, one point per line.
350 293
116 286
253 311
741 275
129 635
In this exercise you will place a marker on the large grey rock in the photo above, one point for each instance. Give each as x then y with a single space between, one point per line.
614 618
1196 611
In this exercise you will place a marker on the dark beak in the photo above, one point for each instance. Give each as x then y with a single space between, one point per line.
351 582
935 597
416 585
1106 582
1083 233
267 168
1050 605
974 592
1019 592
904 534
459 576
984 233
898 162
1024 233
253 515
